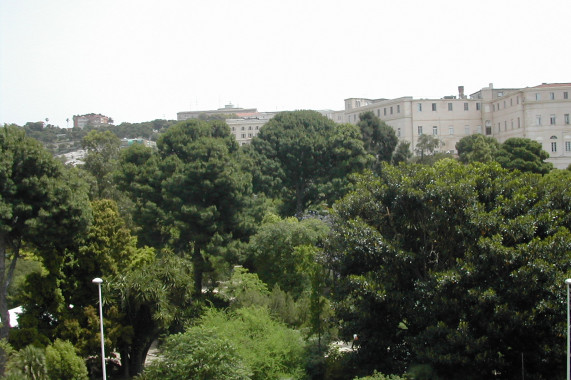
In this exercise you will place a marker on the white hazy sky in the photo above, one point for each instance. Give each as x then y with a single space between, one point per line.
139 60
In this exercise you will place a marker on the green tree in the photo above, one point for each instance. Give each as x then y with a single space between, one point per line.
200 353
205 194
101 160
249 338
477 148
458 267
402 153
525 155
380 140
27 363
147 302
303 158
40 203
63 363
426 145
277 251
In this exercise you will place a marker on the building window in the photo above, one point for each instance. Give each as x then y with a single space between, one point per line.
538 120
391 110
512 123
242 128
566 118
450 131
398 108
465 106
517 100
467 130
493 107
500 94
565 95
378 113
257 127
449 106
419 107
511 102
568 146
518 123
435 130
419 130
537 96
552 120
385 111
250 128
434 106
249 135
354 118
479 129
554 146
551 96
233 129
505 125
243 135
398 132
478 106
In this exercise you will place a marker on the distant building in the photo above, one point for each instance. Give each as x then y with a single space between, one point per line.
125 143
540 113
91 119
228 110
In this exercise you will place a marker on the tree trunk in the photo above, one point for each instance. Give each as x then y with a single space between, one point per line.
198 270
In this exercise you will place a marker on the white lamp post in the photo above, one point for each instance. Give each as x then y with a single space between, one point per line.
99 281
568 281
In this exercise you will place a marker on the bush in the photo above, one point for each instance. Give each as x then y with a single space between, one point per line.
63 363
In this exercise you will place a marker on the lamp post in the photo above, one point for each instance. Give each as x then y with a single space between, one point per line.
99 281
568 281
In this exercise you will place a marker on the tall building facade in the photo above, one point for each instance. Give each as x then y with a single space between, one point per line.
540 113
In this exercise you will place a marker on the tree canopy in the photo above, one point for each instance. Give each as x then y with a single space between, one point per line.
304 159
456 266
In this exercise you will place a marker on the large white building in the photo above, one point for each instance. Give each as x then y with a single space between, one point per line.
540 113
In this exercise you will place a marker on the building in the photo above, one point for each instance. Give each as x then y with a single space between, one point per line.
246 128
229 110
91 119
540 113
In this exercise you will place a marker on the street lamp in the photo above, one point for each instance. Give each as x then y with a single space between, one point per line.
99 281
568 281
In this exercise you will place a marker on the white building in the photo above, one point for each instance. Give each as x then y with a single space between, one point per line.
540 113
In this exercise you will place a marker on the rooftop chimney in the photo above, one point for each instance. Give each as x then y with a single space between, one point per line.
461 92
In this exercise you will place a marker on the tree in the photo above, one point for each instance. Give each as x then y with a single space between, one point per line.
248 338
192 194
477 148
200 353
277 251
303 158
205 194
525 155
402 153
380 140
458 267
427 144
101 160
63 363
147 302
41 204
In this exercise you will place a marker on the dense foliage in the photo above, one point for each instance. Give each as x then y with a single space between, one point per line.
459 267
443 268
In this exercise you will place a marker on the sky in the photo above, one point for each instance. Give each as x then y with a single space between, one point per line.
140 60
